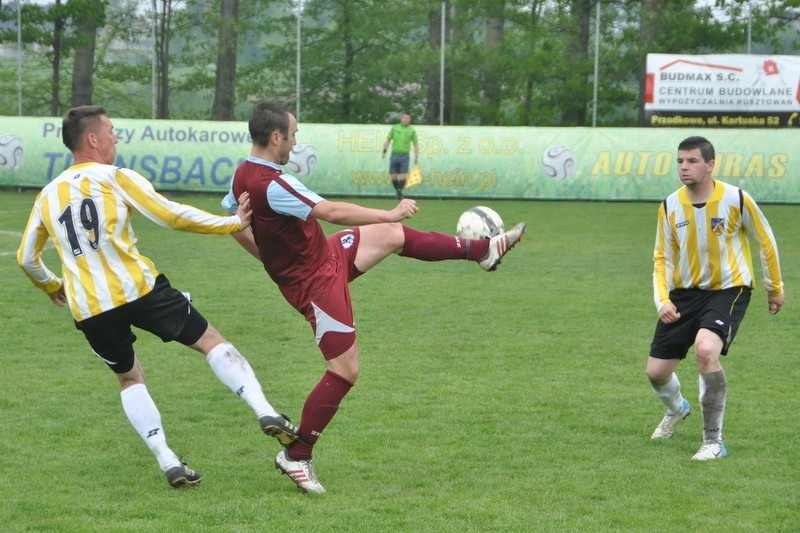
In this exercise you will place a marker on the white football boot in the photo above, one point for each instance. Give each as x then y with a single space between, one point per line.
713 449
499 245
668 423
301 472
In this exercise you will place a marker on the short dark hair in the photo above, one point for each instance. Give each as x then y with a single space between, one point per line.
76 122
266 118
706 148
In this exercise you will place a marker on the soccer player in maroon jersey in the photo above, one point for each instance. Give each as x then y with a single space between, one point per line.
313 271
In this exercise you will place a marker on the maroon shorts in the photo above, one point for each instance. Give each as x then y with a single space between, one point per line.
324 298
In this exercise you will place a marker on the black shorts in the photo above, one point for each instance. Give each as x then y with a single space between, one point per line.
164 311
398 163
719 311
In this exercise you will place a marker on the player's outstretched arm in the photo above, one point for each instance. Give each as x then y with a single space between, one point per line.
347 214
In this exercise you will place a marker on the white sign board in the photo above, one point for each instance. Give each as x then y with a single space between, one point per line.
733 90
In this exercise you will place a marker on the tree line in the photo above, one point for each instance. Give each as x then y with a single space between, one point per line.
506 62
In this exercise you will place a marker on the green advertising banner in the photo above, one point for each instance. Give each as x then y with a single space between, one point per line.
456 161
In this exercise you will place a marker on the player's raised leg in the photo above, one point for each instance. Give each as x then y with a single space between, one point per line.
379 240
499 245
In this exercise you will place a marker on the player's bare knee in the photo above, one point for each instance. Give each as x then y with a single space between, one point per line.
395 236
706 358
347 365
707 348
656 377
657 372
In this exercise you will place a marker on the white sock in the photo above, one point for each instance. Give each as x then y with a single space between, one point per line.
670 394
146 420
235 372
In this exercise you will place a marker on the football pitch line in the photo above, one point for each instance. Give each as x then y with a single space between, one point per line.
5 250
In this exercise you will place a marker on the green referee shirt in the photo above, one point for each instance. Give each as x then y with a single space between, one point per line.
401 138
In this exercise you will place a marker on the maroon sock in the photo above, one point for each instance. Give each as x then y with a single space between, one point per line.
432 246
322 403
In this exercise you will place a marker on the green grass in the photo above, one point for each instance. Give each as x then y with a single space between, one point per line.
510 401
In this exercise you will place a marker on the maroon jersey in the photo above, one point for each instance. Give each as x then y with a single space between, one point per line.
291 243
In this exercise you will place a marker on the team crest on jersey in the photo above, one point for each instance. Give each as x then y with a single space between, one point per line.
718 225
348 240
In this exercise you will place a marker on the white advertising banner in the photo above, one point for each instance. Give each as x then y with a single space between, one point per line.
732 90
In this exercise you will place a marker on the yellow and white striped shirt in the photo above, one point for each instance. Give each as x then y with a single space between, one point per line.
87 212
708 247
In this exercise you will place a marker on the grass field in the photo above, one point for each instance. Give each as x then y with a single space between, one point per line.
509 401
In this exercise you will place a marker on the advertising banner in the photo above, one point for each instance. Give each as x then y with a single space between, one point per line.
455 161
722 91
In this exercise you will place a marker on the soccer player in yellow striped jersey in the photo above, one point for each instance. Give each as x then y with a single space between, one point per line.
109 286
702 279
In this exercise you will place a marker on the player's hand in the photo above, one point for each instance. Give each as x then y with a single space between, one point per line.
59 298
405 209
244 211
775 303
668 313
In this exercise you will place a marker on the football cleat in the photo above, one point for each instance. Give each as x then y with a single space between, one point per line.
499 245
281 428
182 476
301 472
713 449
667 426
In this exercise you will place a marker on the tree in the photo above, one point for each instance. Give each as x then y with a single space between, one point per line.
509 62
58 39
163 16
577 77
89 15
494 65
225 86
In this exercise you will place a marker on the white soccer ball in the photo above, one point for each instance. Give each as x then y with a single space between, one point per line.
10 151
479 222
302 159
558 162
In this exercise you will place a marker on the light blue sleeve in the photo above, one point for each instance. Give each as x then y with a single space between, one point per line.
229 202
297 200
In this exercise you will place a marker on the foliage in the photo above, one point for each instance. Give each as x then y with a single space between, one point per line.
510 62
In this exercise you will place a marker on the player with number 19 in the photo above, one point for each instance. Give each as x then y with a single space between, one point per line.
109 286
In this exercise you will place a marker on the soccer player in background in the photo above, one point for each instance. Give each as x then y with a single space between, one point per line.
109 286
702 279
402 136
313 271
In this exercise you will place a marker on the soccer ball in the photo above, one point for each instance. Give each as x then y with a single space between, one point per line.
558 162
479 223
302 159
